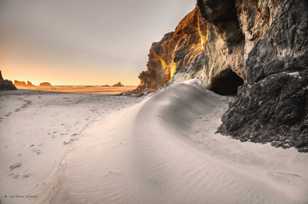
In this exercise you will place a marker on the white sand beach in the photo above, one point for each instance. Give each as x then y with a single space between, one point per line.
74 149
37 130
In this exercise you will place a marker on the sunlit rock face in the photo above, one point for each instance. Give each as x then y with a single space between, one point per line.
6 84
202 46
179 55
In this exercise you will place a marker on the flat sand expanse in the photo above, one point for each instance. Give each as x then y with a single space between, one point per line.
161 150
37 129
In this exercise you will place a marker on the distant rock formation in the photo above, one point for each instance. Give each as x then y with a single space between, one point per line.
23 84
45 84
119 84
30 84
105 85
20 83
6 84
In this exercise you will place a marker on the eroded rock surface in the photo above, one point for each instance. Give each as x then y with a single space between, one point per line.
272 106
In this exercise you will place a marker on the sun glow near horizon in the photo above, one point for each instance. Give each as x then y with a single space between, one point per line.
64 76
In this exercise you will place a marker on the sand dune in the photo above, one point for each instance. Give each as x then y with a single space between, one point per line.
165 150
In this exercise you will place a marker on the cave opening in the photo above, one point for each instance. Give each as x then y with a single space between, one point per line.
226 83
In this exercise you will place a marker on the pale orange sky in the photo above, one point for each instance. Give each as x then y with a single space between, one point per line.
60 76
77 42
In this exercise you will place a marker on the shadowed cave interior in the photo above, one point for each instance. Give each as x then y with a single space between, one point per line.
226 83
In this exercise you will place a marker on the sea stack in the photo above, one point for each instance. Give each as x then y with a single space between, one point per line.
6 84
45 84
119 84
20 83
30 84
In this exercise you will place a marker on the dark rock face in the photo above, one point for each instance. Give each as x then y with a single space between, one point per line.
1 77
222 14
272 106
217 10
6 84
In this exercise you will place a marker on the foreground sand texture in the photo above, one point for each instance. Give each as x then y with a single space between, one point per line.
37 130
161 150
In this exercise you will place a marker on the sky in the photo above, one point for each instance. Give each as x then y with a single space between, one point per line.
83 42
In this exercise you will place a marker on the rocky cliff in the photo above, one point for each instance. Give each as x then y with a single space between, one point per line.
260 46
178 52
272 105
6 84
